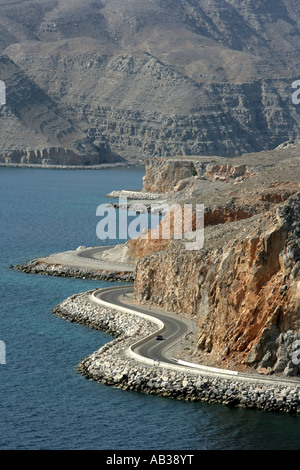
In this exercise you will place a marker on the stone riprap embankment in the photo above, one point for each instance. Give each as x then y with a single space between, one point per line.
113 365
101 166
49 269
140 195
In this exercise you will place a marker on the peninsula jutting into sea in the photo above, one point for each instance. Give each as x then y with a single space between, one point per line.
150 188
223 356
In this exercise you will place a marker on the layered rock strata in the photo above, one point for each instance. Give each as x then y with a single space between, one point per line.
189 173
146 79
45 156
34 130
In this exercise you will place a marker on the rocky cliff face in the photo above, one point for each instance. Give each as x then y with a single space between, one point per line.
46 156
195 173
174 174
163 176
33 129
243 286
155 116
245 292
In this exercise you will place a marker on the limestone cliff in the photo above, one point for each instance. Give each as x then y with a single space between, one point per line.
244 288
44 156
195 173
33 129
173 174
244 285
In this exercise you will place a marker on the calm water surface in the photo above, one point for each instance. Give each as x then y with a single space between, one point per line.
45 403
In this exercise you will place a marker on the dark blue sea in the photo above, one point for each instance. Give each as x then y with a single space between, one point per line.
44 402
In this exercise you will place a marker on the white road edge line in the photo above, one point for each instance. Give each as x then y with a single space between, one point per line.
182 365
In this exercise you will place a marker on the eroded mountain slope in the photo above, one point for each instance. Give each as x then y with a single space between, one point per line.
155 78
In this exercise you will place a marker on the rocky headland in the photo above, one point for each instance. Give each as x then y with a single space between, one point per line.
201 92
241 288
84 263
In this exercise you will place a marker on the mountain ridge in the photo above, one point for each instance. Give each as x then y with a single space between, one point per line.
137 80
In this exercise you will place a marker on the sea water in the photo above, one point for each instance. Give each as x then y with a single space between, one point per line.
44 402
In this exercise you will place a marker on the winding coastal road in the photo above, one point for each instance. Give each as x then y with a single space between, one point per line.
91 259
94 252
174 330
173 327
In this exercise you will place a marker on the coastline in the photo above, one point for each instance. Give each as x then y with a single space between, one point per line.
47 269
114 365
102 166
83 263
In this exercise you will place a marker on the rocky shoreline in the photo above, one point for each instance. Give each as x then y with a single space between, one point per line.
115 365
48 269
102 166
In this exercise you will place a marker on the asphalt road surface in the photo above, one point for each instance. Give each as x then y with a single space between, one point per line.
174 328
91 253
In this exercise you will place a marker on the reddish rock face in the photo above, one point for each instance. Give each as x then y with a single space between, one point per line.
244 288
171 226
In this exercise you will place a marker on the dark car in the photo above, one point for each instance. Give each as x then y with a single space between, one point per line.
159 337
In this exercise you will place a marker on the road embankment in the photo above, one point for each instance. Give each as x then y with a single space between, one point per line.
83 263
114 365
48 269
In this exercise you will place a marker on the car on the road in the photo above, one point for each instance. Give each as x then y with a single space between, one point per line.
159 337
